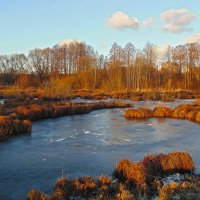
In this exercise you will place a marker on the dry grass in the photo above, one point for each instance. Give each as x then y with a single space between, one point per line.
122 169
177 162
84 185
104 181
63 189
162 111
184 190
132 180
131 173
138 113
164 164
184 111
35 195
44 110
9 126
124 194
17 118
141 174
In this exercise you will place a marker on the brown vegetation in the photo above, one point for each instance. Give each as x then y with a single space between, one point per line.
162 111
9 126
15 119
138 113
133 180
77 66
140 174
164 164
184 111
189 189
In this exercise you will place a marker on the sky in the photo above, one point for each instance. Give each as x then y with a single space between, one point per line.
27 24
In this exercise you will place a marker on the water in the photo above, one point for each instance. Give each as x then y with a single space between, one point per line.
88 144
2 101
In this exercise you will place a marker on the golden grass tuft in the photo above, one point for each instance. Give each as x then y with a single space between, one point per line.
104 181
164 164
162 111
36 195
62 189
124 194
138 113
121 169
133 180
131 173
84 185
177 162
9 126
141 174
182 111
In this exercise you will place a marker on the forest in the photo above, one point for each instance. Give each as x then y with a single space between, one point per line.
77 65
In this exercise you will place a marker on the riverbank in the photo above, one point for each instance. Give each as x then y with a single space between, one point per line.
16 115
184 111
8 92
146 179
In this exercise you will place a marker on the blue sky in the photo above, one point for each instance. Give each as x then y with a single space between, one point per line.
26 24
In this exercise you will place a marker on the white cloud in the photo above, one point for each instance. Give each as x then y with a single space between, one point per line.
121 21
177 21
193 38
67 42
149 22
173 28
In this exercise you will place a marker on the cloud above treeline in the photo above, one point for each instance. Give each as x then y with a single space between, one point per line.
121 21
175 21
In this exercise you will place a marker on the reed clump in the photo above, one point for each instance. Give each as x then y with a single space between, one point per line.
183 111
164 164
140 174
9 126
138 113
162 111
36 195
17 119
132 180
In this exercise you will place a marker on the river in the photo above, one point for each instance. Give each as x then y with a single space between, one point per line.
88 144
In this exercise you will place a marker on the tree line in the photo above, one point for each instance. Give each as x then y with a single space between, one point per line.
81 67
